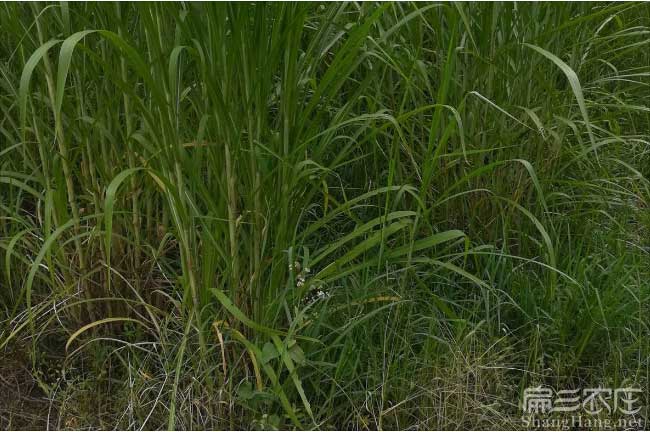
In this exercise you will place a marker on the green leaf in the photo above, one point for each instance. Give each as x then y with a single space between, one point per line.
573 81
240 316
65 57
27 76
245 391
297 354
95 324
109 203
269 353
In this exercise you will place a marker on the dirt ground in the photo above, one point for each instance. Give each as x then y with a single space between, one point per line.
23 405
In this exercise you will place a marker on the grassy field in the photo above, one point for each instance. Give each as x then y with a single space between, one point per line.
347 215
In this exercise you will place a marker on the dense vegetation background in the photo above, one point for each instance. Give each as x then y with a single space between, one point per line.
319 216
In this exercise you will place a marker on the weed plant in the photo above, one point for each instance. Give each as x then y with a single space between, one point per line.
341 215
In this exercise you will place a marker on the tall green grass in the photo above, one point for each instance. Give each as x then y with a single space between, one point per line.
342 215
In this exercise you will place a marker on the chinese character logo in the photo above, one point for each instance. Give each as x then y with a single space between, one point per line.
596 399
566 401
624 400
538 400
543 400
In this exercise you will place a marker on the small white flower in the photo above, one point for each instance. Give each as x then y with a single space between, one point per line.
322 294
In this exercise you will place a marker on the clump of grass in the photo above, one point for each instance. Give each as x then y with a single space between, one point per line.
368 216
